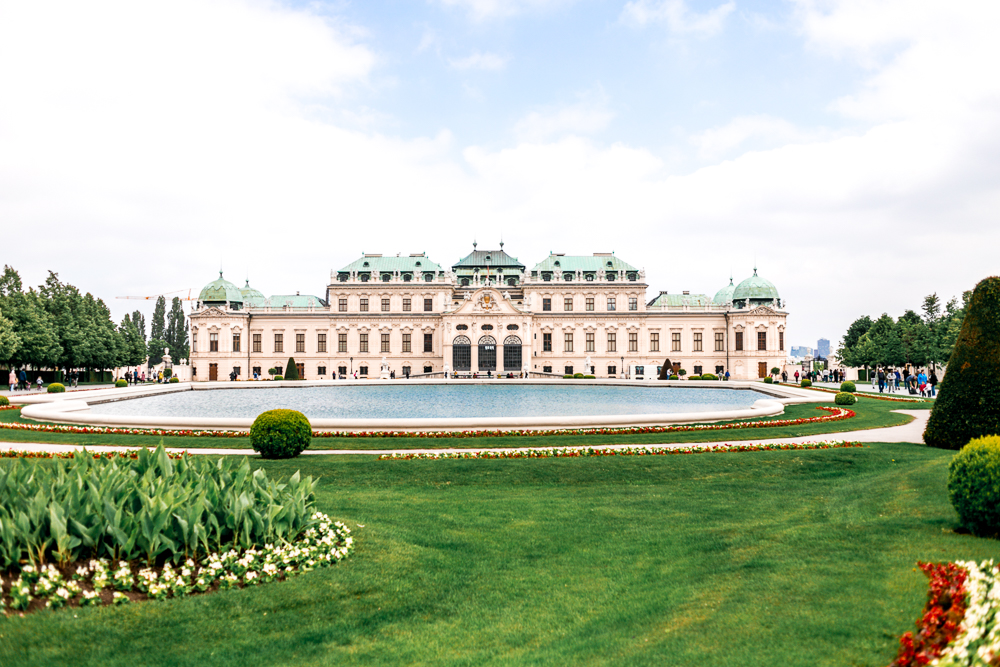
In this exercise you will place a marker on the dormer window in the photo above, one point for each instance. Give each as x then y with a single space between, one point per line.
365 264
590 277
609 263
557 263
417 264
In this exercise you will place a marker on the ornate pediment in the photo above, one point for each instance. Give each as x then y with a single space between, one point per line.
764 311
487 301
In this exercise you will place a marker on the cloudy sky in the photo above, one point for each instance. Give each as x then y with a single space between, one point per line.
850 147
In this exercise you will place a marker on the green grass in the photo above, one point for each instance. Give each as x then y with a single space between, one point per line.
771 558
870 414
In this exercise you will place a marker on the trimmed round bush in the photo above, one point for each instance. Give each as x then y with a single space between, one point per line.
280 434
848 386
56 388
694 377
974 485
278 377
775 370
709 376
174 379
806 383
121 383
674 377
845 398
769 380
167 372
3 401
589 377
578 376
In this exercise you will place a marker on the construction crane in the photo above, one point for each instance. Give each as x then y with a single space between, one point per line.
157 296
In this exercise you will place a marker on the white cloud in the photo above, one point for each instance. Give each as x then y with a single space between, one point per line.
481 10
751 132
680 20
477 60
587 117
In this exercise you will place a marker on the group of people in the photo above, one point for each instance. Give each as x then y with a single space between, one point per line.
135 377
915 383
19 380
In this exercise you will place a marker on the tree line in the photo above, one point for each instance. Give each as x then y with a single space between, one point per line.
55 326
925 339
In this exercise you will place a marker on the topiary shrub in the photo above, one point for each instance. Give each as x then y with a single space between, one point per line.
567 377
775 370
280 434
56 388
291 370
174 380
974 485
968 402
709 376
682 372
845 398
278 377
121 383
806 383
674 377
168 372
589 377
578 376
769 380
4 402
848 386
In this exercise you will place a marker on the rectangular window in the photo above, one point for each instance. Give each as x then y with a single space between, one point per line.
213 342
385 343
761 340
342 342
590 342
546 342
568 342
739 340
256 343
612 370
675 341
654 342
194 341
406 371
300 342
546 304
256 371
385 305
428 369
363 306
697 344
321 370
279 342
342 371
546 369
612 342
697 370
428 305
590 303
568 303
633 342
236 342
611 303
321 342
633 303
363 370
567 370
406 342
342 305
428 343
363 345
781 340
720 341
406 305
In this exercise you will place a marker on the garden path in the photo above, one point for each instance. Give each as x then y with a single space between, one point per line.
911 432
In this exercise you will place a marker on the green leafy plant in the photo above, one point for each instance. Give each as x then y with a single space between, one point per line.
768 380
168 372
4 401
974 485
845 398
151 507
674 377
174 380
968 403
280 434
709 376
694 377
291 370
775 370
578 376
589 377
682 372
121 383
567 377
848 386
806 383
278 377
56 388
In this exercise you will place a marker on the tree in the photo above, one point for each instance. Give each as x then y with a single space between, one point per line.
157 328
931 308
9 340
10 282
39 346
176 333
154 350
968 405
291 370
134 347
139 320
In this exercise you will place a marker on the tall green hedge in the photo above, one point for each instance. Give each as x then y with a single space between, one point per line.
291 370
968 403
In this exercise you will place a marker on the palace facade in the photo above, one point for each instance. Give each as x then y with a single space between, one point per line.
488 314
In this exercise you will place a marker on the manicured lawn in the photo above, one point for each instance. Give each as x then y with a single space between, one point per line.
870 414
771 558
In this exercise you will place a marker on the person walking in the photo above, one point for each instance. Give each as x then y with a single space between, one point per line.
22 380
933 381
39 382
12 379
922 383
784 376
881 381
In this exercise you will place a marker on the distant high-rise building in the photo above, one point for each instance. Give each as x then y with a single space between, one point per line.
801 351
823 348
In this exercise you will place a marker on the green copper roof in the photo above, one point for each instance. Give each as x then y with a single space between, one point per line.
693 300
725 295
587 263
220 291
417 263
294 301
480 259
251 296
755 288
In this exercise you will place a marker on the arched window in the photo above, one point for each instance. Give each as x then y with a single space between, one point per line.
487 353
461 354
511 353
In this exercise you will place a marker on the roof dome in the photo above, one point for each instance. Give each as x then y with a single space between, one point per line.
755 289
220 291
251 295
725 295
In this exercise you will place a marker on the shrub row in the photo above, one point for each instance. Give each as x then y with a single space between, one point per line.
151 507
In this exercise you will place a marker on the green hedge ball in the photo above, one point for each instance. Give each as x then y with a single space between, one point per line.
3 401
848 386
845 398
806 383
974 485
121 383
280 434
56 388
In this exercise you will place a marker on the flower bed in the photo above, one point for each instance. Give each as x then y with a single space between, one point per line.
643 450
836 414
102 581
127 454
960 625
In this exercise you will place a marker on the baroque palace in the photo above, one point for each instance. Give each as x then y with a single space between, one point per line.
488 314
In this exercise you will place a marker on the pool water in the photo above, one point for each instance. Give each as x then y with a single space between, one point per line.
407 401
